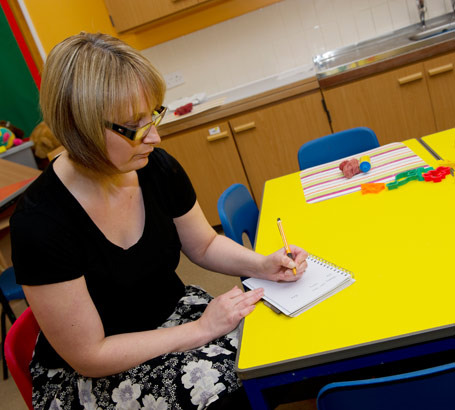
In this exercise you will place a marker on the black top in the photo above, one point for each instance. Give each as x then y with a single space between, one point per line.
54 240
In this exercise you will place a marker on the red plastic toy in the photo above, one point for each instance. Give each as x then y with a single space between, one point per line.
184 109
436 175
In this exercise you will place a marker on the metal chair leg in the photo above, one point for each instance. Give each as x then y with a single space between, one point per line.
6 311
5 367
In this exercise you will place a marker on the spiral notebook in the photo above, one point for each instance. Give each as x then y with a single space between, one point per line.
321 280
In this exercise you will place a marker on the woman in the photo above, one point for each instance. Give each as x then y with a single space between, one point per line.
96 240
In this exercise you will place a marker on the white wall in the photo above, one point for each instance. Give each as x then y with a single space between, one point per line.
278 38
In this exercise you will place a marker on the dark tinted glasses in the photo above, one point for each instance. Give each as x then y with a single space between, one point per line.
139 133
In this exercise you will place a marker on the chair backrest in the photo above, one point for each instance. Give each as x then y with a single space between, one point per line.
238 213
10 288
55 152
335 146
419 390
19 345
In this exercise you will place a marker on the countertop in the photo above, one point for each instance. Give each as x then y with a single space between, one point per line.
283 79
333 68
249 96
404 46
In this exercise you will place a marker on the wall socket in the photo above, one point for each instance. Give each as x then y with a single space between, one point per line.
173 79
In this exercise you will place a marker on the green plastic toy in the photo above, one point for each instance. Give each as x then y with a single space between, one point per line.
407 176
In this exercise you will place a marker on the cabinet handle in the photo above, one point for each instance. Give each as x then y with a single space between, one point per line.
245 127
441 69
410 78
218 136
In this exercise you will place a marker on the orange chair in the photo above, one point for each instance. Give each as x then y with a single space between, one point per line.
19 345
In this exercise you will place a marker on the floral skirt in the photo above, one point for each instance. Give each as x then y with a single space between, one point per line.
181 380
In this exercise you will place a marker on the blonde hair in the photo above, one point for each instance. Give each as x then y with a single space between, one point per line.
89 79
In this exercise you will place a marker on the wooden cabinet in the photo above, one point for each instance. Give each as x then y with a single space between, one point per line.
249 148
394 104
157 21
268 138
440 72
209 156
408 102
126 15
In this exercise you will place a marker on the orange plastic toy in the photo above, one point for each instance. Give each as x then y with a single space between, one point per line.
372 187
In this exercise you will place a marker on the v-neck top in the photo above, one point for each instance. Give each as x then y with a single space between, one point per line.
135 289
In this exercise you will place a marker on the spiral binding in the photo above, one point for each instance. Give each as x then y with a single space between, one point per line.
324 262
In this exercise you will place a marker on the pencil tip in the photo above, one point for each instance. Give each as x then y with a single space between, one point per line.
278 219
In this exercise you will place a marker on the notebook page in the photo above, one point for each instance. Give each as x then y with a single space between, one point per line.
318 280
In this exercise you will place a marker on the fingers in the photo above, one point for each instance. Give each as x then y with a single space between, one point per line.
300 254
287 267
246 302
250 297
236 297
299 263
246 311
225 311
246 307
235 291
287 262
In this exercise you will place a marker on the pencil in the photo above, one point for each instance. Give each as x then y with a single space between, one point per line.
286 246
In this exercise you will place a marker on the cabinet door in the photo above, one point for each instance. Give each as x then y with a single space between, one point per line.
209 156
394 104
126 15
268 139
441 84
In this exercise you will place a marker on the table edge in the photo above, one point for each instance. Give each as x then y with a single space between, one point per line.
343 353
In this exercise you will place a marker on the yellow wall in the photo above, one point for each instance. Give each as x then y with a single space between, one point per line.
55 20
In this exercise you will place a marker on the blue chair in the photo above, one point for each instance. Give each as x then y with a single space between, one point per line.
9 290
418 390
335 146
238 213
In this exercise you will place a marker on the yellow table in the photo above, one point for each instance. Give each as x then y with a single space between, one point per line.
442 144
398 243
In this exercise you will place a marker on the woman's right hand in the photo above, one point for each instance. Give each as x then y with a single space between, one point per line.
223 314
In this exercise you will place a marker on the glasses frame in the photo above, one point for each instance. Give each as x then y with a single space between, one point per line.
141 132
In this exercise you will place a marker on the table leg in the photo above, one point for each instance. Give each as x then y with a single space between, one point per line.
255 396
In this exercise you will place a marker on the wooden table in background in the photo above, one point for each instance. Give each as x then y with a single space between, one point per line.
14 178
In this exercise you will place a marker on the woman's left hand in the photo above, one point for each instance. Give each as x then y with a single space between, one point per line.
278 266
